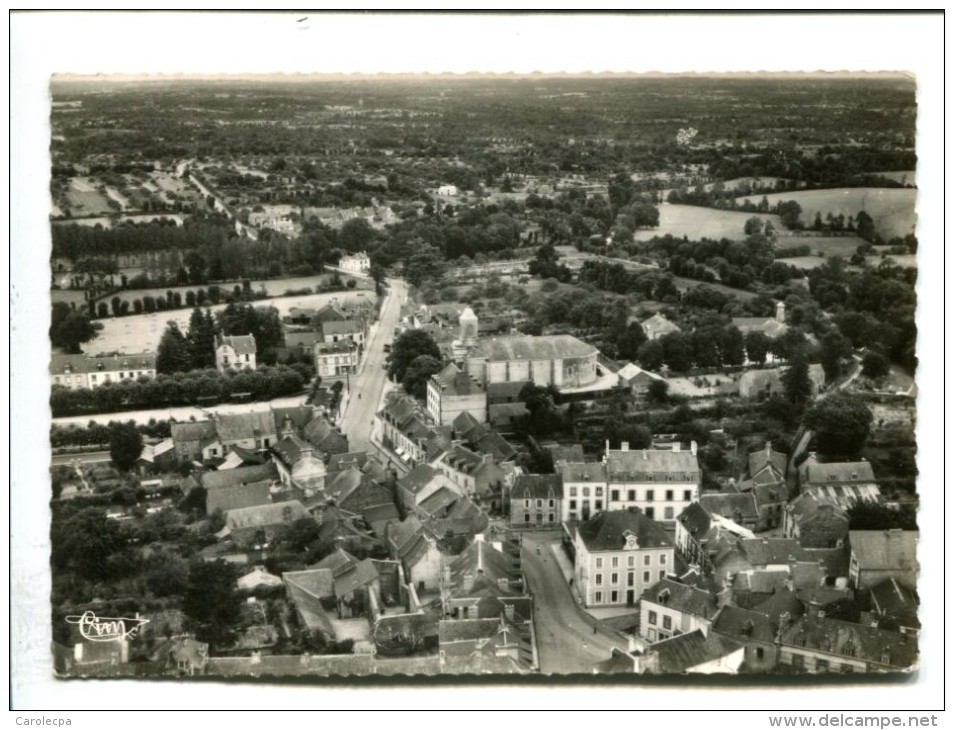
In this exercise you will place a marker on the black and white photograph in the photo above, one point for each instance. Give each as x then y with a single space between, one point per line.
585 375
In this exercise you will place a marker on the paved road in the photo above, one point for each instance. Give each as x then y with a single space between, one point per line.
87 457
565 639
369 383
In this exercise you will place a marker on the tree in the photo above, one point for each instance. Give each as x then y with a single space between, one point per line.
125 445
651 355
85 542
678 351
789 211
408 346
212 600
795 380
841 422
658 392
835 347
753 225
378 273
865 227
866 515
200 339
172 355
757 345
732 346
543 419
630 341
70 328
875 365
417 374
166 574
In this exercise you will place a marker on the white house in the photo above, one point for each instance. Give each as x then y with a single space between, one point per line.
236 352
357 263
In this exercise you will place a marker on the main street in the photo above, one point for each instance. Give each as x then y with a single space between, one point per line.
368 386
566 642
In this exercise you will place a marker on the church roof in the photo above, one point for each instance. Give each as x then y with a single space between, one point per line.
527 347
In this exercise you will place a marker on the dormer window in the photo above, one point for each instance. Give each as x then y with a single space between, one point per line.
663 596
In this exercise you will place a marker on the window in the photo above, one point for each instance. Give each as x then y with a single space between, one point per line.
599 579
526 517
847 669
551 517
615 562
798 661
92 376
598 597
667 622
586 491
652 617
759 652
614 495
662 574
539 503
631 579
526 503
821 665
599 505
646 578
572 491
614 597
539 517
631 561
687 495
631 495
650 495
650 512
669 495
667 513
598 492
572 504
662 558
214 452
552 502
647 559
572 516
614 578
599 563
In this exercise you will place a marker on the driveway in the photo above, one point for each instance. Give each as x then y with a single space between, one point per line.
566 642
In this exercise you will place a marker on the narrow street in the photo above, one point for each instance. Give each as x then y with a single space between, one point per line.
566 641
367 386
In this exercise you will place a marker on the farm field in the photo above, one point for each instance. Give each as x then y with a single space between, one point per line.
697 222
891 209
141 332
83 198
821 246
905 177
273 287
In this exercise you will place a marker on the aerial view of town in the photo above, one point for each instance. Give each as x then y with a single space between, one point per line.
395 375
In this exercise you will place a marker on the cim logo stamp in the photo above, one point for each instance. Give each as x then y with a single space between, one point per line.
95 628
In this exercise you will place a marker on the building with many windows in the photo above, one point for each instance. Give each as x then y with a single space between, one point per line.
83 371
356 263
335 359
535 501
452 392
235 352
618 555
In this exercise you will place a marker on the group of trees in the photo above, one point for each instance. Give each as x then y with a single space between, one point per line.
197 386
414 357
69 328
97 434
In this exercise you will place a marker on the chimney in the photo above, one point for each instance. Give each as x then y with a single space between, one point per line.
724 596
625 446
768 448
694 447
607 447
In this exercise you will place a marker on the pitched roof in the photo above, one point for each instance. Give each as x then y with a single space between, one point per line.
565 452
340 327
462 459
609 530
380 516
537 486
844 472
337 462
485 440
482 560
464 423
680 597
238 496
733 506
528 347
358 576
681 653
767 325
638 464
767 456
101 363
418 478
213 480
471 629
889 598
290 449
400 410
847 639
771 550
590 472
783 601
453 381
742 624
885 549
809 506
436 503
246 425
242 344
367 493
630 371
298 415
265 514
658 325
844 495
192 431
696 520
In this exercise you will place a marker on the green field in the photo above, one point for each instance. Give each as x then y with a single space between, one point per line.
892 209
696 223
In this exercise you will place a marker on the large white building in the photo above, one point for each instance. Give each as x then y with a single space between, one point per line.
357 263
618 555
452 392
560 360
83 371
236 352
659 482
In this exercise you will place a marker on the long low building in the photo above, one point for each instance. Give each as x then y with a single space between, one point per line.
85 371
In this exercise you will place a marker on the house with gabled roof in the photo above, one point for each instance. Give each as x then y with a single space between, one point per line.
669 608
253 429
241 487
657 325
325 436
411 544
497 640
478 571
692 653
877 555
312 593
767 465
192 440
820 645
839 483
893 603
248 525
452 392
815 522
298 465
475 475
617 555
235 352
535 501
420 483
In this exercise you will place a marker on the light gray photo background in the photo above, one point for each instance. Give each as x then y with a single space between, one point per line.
214 43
